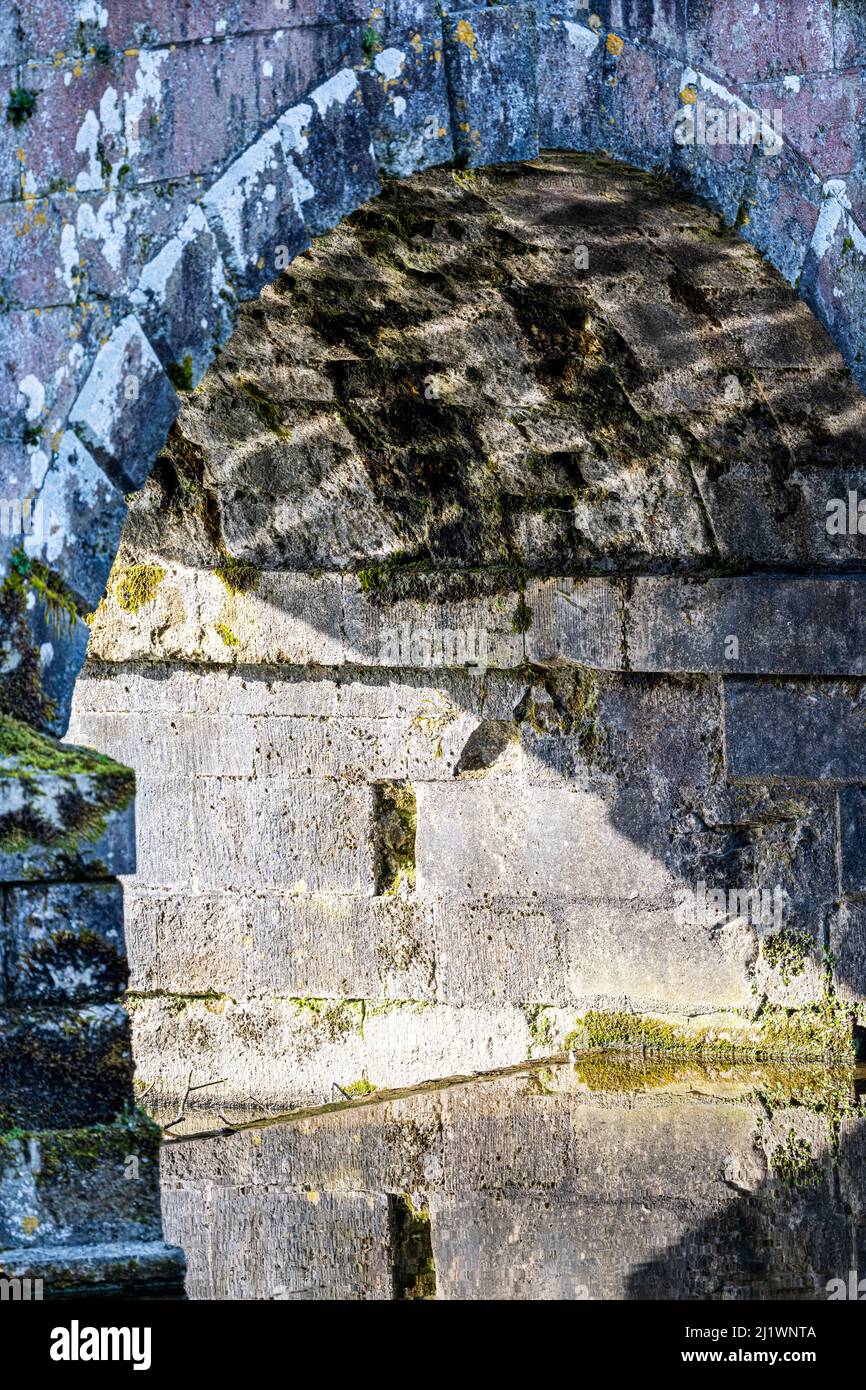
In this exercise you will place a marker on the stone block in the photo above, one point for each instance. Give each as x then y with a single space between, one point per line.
500 948
639 101
126 406
65 1068
798 731
311 945
782 199
256 212
848 945
312 836
754 626
820 117
490 57
716 138
852 839
124 1268
569 82
475 634
64 812
660 22
81 518
752 39
184 301
68 1187
576 621
655 960
849 33
65 944
474 838
832 283
327 138
406 95
45 357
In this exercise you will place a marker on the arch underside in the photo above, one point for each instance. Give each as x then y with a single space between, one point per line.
469 623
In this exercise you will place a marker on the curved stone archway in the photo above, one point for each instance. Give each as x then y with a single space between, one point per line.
223 197
441 443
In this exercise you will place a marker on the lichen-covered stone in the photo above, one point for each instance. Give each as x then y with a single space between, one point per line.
65 943
64 811
491 61
126 405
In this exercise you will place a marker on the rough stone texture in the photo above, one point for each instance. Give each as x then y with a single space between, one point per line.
808 731
597 1182
137 115
365 548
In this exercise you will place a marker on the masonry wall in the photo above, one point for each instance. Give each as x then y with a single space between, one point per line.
428 408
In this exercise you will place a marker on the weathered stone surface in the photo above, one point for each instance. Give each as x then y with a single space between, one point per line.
64 1068
70 1187
805 731
327 137
406 95
63 811
569 81
852 840
65 944
760 626
81 518
848 945
184 301
491 62
255 211
639 1180
316 945
576 620
547 839
126 405
782 203
125 1268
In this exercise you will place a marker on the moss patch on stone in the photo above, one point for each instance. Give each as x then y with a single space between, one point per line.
136 586
237 576
814 1032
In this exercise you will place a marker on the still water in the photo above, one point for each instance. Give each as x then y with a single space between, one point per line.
607 1179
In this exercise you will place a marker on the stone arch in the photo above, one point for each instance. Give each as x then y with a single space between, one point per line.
436 425
480 85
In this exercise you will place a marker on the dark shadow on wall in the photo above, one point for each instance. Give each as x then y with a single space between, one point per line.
440 397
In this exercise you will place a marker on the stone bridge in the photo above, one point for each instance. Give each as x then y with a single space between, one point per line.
161 164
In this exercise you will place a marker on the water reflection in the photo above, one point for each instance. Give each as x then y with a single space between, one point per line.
609 1179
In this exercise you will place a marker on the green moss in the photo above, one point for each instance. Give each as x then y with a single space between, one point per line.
30 575
180 374
136 586
361 1087
269 412
229 638
395 817
794 1163
375 579
29 751
335 1018
522 618
413 1262
75 814
540 1024
371 42
787 951
21 105
818 1031
238 577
